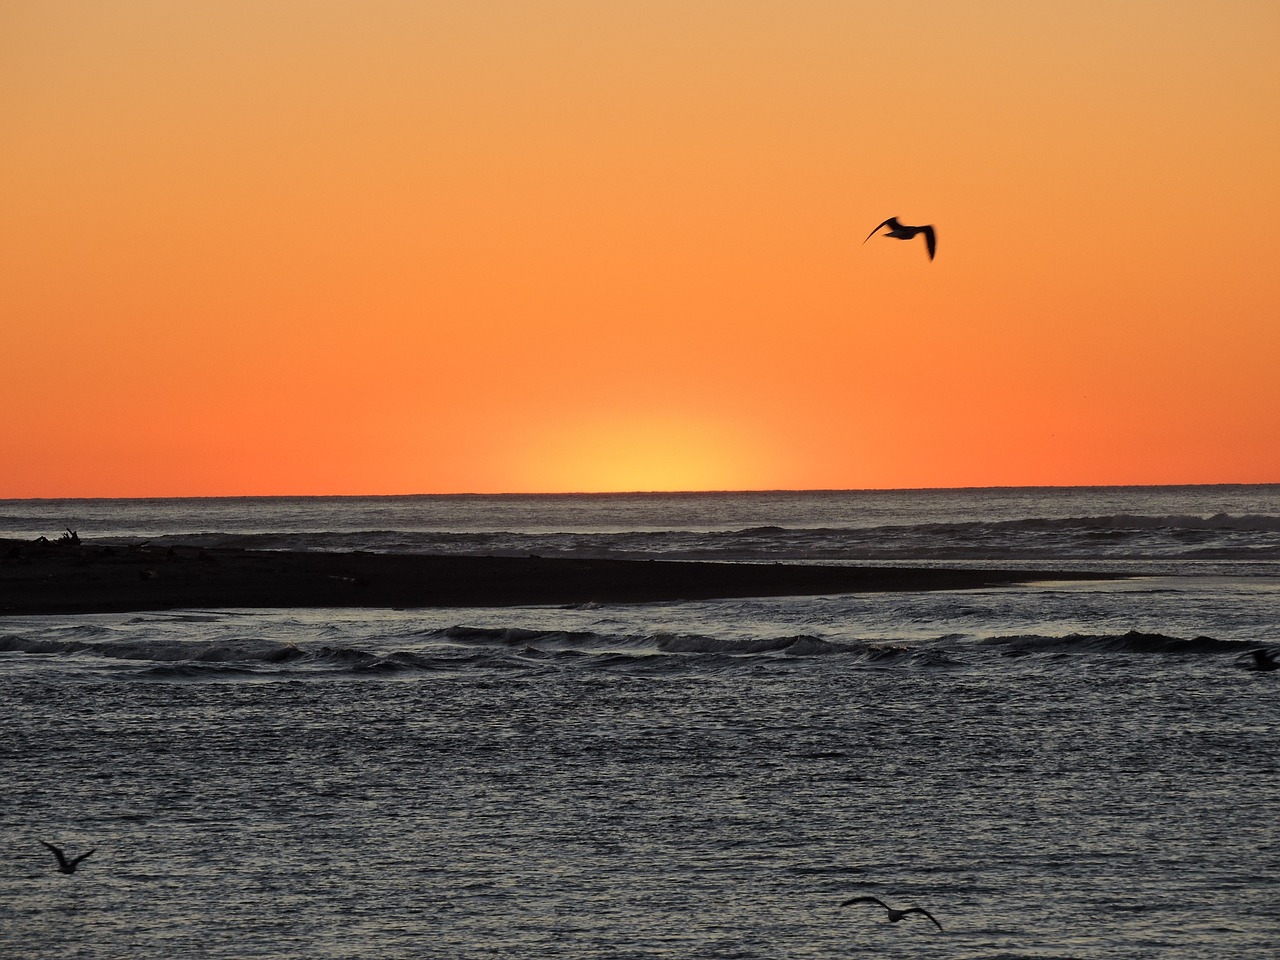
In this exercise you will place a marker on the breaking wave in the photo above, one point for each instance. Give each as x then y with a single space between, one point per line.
1132 642
1121 536
214 651
462 648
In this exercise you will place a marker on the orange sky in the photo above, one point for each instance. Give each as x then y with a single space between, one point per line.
422 246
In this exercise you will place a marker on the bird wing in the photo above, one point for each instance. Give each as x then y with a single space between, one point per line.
875 900
891 223
930 240
56 852
83 856
926 913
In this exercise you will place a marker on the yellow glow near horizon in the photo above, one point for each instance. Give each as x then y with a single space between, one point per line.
628 454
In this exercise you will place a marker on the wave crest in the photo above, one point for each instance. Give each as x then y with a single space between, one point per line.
166 651
1246 536
1134 641
462 648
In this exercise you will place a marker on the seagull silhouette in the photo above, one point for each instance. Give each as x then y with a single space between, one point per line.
894 915
1263 659
65 865
900 231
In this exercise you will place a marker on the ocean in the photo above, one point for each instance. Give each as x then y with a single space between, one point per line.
1061 769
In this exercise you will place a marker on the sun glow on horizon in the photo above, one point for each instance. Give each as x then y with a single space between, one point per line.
657 453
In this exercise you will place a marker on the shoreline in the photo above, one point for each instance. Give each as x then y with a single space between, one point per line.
62 577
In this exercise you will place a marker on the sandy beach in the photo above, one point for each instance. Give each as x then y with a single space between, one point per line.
47 577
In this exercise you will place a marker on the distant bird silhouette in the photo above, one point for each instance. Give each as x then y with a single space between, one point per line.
894 915
901 231
65 865
1263 660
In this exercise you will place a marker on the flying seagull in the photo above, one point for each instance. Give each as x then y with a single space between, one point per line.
894 915
901 231
65 865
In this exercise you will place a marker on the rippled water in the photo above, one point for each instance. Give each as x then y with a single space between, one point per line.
1056 770
1045 805
1111 524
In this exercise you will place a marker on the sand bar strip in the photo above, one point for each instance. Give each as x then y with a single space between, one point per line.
55 578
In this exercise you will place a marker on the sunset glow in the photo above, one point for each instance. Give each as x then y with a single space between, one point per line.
279 247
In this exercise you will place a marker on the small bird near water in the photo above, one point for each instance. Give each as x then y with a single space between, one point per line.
894 915
1263 659
65 865
900 231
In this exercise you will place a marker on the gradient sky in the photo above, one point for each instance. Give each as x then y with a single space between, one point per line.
416 246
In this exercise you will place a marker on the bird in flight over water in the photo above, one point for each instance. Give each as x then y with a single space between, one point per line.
900 231
894 915
65 865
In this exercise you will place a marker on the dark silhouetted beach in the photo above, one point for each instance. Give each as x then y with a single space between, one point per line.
60 577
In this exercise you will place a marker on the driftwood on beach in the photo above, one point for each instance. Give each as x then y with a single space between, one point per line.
64 577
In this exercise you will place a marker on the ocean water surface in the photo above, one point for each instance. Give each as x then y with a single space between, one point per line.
1063 769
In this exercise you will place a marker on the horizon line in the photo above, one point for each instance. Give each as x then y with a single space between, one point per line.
654 493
